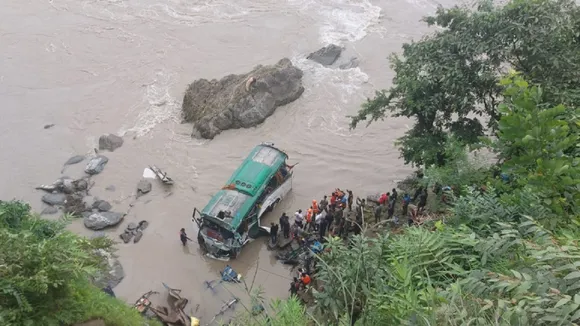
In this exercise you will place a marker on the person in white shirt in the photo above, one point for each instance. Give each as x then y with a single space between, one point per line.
321 216
299 218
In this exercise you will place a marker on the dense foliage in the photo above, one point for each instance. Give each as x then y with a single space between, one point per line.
506 251
448 80
44 273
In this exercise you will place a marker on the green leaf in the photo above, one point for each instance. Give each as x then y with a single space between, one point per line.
573 275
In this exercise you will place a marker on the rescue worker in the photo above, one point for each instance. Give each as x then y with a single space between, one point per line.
309 218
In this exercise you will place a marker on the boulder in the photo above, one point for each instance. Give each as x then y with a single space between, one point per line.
110 142
101 220
114 273
54 199
74 160
49 210
240 101
102 205
143 187
96 164
327 55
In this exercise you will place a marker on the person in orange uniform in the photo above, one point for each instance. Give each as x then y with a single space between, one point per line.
309 215
315 208
305 279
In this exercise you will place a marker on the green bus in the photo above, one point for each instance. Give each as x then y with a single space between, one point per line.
232 217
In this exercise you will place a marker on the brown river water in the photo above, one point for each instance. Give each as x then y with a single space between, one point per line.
121 66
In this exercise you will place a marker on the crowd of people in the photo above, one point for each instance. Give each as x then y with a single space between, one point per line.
327 217
339 216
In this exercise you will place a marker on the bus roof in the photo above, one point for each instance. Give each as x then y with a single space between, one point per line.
246 184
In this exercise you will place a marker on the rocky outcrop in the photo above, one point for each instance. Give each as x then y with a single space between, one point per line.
101 220
327 55
110 142
240 101
96 164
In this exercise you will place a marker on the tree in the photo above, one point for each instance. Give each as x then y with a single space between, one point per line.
448 80
534 142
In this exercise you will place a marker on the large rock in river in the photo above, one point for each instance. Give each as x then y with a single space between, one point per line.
240 101
101 220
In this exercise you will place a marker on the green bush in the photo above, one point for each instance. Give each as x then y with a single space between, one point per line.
44 271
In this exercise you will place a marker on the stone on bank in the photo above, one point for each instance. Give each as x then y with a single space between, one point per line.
240 101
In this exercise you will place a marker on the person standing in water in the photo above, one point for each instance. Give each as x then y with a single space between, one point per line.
183 236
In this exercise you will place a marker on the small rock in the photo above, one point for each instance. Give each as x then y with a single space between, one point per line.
102 205
96 164
143 225
327 55
110 142
74 160
132 226
126 236
101 220
352 63
110 188
86 214
49 210
143 187
49 126
138 236
54 199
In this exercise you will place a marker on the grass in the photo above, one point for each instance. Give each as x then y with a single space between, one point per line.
95 304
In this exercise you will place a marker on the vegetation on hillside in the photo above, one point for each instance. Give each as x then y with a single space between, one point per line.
45 272
506 252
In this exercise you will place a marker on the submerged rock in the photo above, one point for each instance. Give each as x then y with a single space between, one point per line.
143 187
132 226
114 274
102 205
101 220
54 199
74 160
49 210
240 101
327 55
110 142
110 188
96 164
352 63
